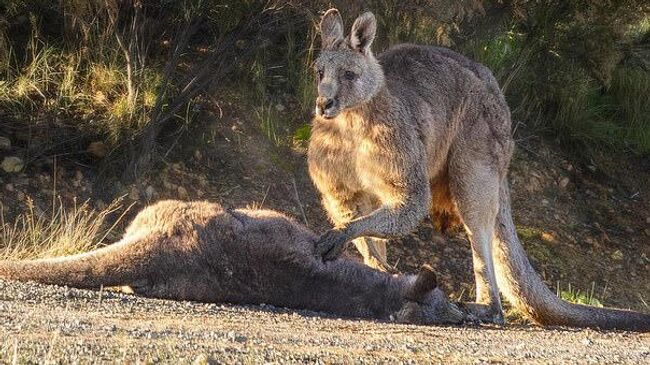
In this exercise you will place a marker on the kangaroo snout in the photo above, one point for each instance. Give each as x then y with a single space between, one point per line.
326 107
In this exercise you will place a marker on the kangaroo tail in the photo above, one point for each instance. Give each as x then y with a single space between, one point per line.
118 264
524 288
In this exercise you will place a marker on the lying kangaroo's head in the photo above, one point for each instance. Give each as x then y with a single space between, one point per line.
426 304
348 73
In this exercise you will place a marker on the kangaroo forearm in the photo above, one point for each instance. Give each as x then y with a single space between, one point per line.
389 221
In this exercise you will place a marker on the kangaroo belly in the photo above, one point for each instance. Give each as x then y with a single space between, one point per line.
444 214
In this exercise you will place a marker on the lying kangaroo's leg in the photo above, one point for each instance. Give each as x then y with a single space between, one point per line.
476 192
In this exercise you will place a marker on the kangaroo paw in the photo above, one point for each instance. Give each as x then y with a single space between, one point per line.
331 244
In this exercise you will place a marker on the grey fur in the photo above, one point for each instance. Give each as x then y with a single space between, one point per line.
197 251
425 130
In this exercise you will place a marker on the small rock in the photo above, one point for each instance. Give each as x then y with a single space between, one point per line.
12 164
533 185
647 220
182 193
279 107
563 182
78 175
647 232
99 204
134 194
548 237
545 202
233 336
149 192
629 230
5 143
198 155
9 187
97 149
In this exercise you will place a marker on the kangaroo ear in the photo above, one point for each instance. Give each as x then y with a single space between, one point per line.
331 29
363 32
424 283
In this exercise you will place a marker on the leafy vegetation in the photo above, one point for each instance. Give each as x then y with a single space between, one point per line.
118 71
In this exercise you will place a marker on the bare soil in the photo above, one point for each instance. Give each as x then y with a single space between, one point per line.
45 324
583 223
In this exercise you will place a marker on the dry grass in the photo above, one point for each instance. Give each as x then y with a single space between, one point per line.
64 231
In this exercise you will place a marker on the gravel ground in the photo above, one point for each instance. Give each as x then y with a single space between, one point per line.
44 324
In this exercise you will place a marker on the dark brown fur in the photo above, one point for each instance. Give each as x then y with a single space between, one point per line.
197 251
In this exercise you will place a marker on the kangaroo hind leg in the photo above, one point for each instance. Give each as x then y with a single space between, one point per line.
476 193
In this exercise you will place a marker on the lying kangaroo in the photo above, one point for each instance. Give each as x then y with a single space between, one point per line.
198 251
422 129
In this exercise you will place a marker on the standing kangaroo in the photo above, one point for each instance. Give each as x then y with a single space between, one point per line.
424 129
197 251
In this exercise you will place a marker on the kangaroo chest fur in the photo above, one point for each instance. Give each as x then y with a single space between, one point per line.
346 156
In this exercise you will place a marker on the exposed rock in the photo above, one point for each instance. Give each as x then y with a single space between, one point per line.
12 164
99 204
9 187
97 149
563 182
533 185
134 194
182 193
149 192
5 143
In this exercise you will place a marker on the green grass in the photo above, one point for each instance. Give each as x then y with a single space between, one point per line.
55 72
576 296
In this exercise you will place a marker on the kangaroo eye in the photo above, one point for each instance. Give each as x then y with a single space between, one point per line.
349 75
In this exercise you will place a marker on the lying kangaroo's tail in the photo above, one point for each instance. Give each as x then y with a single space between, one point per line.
523 287
117 264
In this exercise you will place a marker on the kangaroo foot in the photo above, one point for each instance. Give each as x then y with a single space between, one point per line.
482 313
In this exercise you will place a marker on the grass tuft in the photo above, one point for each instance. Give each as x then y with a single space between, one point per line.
65 231
576 296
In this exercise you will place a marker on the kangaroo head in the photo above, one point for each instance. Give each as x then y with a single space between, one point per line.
348 73
426 304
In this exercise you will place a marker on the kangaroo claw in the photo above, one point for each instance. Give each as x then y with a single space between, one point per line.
331 244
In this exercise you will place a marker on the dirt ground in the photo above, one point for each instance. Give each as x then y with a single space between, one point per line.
44 324
583 223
